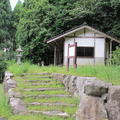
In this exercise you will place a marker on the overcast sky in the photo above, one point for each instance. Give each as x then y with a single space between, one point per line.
13 3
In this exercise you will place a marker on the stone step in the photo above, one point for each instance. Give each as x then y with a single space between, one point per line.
37 77
50 104
44 73
48 96
44 81
50 113
43 89
36 84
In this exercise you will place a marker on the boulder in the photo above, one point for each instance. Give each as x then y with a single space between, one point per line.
66 82
72 84
14 94
80 85
96 87
9 84
91 108
55 75
113 104
61 78
17 106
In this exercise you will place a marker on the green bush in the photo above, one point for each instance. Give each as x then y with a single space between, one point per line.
115 57
2 66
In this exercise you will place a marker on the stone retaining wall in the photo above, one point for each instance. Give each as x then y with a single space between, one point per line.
99 100
17 106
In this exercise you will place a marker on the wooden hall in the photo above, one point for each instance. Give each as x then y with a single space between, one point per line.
93 46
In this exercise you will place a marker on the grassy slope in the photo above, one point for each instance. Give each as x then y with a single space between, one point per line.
105 73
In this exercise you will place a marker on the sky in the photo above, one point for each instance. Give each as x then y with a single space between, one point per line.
13 3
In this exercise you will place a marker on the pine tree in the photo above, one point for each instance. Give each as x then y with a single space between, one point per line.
5 24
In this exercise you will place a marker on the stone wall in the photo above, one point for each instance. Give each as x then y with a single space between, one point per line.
17 106
99 100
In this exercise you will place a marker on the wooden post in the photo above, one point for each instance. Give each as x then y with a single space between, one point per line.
59 56
110 51
55 55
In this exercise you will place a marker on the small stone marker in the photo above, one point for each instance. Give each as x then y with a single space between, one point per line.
42 63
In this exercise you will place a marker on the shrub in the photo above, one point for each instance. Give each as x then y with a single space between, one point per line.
2 66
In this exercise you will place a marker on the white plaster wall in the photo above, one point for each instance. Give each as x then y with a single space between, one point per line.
72 34
68 41
98 35
85 42
80 33
99 47
89 33
85 61
80 61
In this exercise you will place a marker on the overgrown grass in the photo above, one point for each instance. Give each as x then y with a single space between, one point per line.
4 107
6 113
73 100
105 73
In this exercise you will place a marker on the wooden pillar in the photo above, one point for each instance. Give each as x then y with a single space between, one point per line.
110 51
59 56
55 57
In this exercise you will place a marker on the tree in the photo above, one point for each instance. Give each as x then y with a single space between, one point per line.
15 21
39 21
5 24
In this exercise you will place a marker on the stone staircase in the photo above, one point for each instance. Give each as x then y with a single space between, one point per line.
44 95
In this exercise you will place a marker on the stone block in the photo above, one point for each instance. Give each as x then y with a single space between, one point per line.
113 104
91 108
17 106
96 87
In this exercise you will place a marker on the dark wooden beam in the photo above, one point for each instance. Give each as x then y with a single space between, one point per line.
110 51
55 57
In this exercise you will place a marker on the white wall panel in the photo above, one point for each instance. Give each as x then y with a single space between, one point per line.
71 51
72 34
85 42
68 41
80 33
89 33
99 47
85 61
98 35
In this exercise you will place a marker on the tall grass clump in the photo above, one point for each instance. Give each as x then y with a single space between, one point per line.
4 107
17 69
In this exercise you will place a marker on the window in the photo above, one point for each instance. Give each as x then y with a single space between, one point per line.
85 51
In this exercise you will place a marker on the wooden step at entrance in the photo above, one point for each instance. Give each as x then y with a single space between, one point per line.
44 73
50 113
43 89
50 104
47 96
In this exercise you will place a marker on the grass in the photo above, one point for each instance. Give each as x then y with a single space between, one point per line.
105 73
47 92
70 110
6 113
4 107
53 100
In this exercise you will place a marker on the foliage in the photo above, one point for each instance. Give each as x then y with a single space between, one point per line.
115 57
2 66
5 24
39 21
100 14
